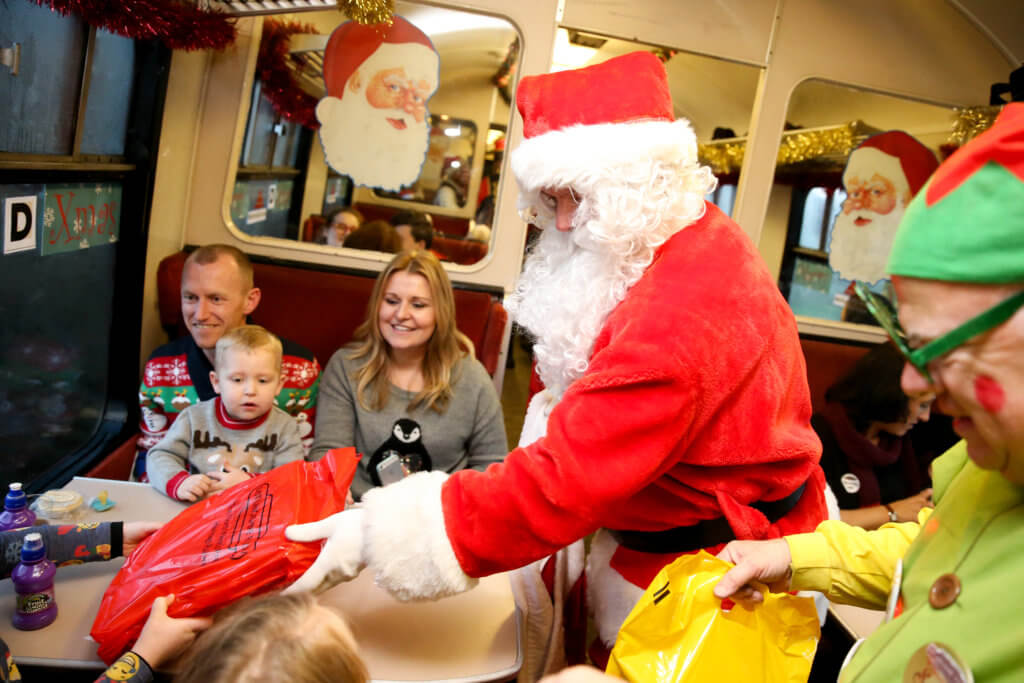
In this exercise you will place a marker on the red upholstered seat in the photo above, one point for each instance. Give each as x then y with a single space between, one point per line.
321 309
447 225
826 362
463 252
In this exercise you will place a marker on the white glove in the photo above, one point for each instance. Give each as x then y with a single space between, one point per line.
341 558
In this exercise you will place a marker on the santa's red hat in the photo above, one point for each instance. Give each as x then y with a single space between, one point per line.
895 155
595 118
377 46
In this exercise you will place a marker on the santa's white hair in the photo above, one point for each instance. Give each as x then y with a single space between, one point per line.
572 280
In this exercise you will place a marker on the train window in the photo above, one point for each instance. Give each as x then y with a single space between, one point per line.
81 119
106 111
57 314
830 241
457 178
38 104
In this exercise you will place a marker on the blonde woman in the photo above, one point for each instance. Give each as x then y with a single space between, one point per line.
408 392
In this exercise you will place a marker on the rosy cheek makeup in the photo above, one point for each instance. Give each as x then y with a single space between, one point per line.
989 393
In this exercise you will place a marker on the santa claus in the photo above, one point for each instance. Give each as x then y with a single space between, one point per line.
373 121
882 175
677 413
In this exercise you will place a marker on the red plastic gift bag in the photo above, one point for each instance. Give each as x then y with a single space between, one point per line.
224 548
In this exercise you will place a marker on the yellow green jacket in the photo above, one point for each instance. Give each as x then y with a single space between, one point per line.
973 542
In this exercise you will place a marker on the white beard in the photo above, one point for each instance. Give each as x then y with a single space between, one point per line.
861 252
568 287
359 142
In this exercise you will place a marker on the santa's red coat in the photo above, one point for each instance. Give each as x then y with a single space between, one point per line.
695 404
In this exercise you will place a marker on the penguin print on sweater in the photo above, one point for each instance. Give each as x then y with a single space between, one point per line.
401 455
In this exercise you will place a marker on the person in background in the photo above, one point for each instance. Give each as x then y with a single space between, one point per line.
217 294
414 229
868 459
408 392
454 185
377 235
948 579
275 638
216 444
340 224
162 637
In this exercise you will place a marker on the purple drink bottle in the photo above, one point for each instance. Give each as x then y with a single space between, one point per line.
16 514
33 582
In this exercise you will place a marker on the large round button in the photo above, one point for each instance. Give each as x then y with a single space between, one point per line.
944 591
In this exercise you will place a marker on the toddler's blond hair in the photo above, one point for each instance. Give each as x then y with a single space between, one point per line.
249 338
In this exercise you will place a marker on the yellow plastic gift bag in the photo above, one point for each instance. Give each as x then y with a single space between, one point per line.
678 631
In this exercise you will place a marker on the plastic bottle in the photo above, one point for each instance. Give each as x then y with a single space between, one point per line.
16 514
33 582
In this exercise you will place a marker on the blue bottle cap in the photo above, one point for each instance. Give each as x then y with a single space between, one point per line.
33 549
15 498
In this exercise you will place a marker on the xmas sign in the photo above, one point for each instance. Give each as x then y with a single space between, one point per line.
80 216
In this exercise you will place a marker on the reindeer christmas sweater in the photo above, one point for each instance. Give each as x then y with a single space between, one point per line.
177 375
204 438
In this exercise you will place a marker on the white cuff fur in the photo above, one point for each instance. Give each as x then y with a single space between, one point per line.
405 542
610 596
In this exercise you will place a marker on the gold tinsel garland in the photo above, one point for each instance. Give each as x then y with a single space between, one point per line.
833 143
971 121
368 11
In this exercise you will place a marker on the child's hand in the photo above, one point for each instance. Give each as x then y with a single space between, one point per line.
163 637
228 478
136 532
194 487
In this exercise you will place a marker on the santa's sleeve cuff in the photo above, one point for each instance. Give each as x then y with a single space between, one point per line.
406 544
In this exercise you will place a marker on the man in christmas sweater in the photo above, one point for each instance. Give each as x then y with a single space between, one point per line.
949 579
217 293
677 409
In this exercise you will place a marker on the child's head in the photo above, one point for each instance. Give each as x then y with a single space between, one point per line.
247 372
275 638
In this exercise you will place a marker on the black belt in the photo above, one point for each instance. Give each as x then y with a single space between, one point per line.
703 534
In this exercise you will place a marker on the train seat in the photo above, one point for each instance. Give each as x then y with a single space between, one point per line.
446 225
461 251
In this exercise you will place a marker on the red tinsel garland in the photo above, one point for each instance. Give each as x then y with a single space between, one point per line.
179 24
288 99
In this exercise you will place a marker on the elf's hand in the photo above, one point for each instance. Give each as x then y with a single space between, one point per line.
340 559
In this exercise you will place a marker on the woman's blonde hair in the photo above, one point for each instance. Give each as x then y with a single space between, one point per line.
444 348
275 638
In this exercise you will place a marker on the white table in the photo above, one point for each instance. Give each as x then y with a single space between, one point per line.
469 637
858 621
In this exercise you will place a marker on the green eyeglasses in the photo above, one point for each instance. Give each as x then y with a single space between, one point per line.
885 314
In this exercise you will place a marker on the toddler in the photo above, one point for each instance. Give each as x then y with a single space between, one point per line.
275 638
216 444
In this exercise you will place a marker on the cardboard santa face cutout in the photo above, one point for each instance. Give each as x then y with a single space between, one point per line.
882 175
374 123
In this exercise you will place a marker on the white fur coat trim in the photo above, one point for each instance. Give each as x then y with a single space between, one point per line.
579 155
610 596
406 544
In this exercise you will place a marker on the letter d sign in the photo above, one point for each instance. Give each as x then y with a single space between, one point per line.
19 224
